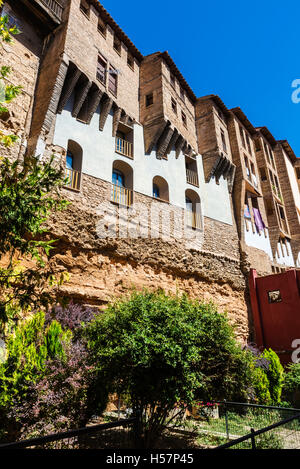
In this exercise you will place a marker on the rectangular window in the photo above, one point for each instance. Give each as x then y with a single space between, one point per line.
85 8
130 60
263 174
101 27
174 105
113 80
149 99
101 69
223 140
184 119
117 45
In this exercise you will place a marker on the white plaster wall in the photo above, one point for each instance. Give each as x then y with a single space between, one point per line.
258 241
99 154
217 201
284 256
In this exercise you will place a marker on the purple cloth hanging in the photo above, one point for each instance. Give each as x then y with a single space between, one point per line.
258 220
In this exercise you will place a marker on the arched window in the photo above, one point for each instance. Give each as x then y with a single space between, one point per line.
122 183
118 178
189 204
193 209
69 160
155 191
160 189
73 165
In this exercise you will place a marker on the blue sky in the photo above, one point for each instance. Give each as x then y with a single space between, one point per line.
246 52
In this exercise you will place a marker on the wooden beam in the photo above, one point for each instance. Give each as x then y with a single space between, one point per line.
105 108
57 90
172 141
157 135
179 145
163 142
71 80
116 120
93 103
80 95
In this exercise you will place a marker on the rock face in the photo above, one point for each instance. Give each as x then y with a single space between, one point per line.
102 269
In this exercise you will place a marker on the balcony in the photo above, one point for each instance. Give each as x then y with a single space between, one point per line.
55 7
46 14
73 179
193 219
192 177
121 195
123 147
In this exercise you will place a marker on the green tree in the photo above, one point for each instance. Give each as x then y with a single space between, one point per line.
8 91
165 352
291 389
28 194
275 375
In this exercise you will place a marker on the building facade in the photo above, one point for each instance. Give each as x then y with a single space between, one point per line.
167 189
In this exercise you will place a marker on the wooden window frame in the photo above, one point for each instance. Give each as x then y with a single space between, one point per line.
106 68
111 68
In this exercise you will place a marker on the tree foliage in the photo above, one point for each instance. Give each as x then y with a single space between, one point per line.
167 351
8 91
28 194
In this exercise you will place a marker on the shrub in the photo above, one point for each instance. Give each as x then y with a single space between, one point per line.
291 388
166 351
261 386
64 398
28 349
275 375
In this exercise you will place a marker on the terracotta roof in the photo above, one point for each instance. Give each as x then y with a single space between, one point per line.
267 134
288 149
218 101
119 32
244 120
168 59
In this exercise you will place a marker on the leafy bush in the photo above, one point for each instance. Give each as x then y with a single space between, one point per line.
275 375
28 349
72 316
166 351
291 388
62 399
261 386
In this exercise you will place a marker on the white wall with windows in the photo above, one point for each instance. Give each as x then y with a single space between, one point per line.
98 148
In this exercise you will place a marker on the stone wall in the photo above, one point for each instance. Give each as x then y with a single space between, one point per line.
23 57
103 268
